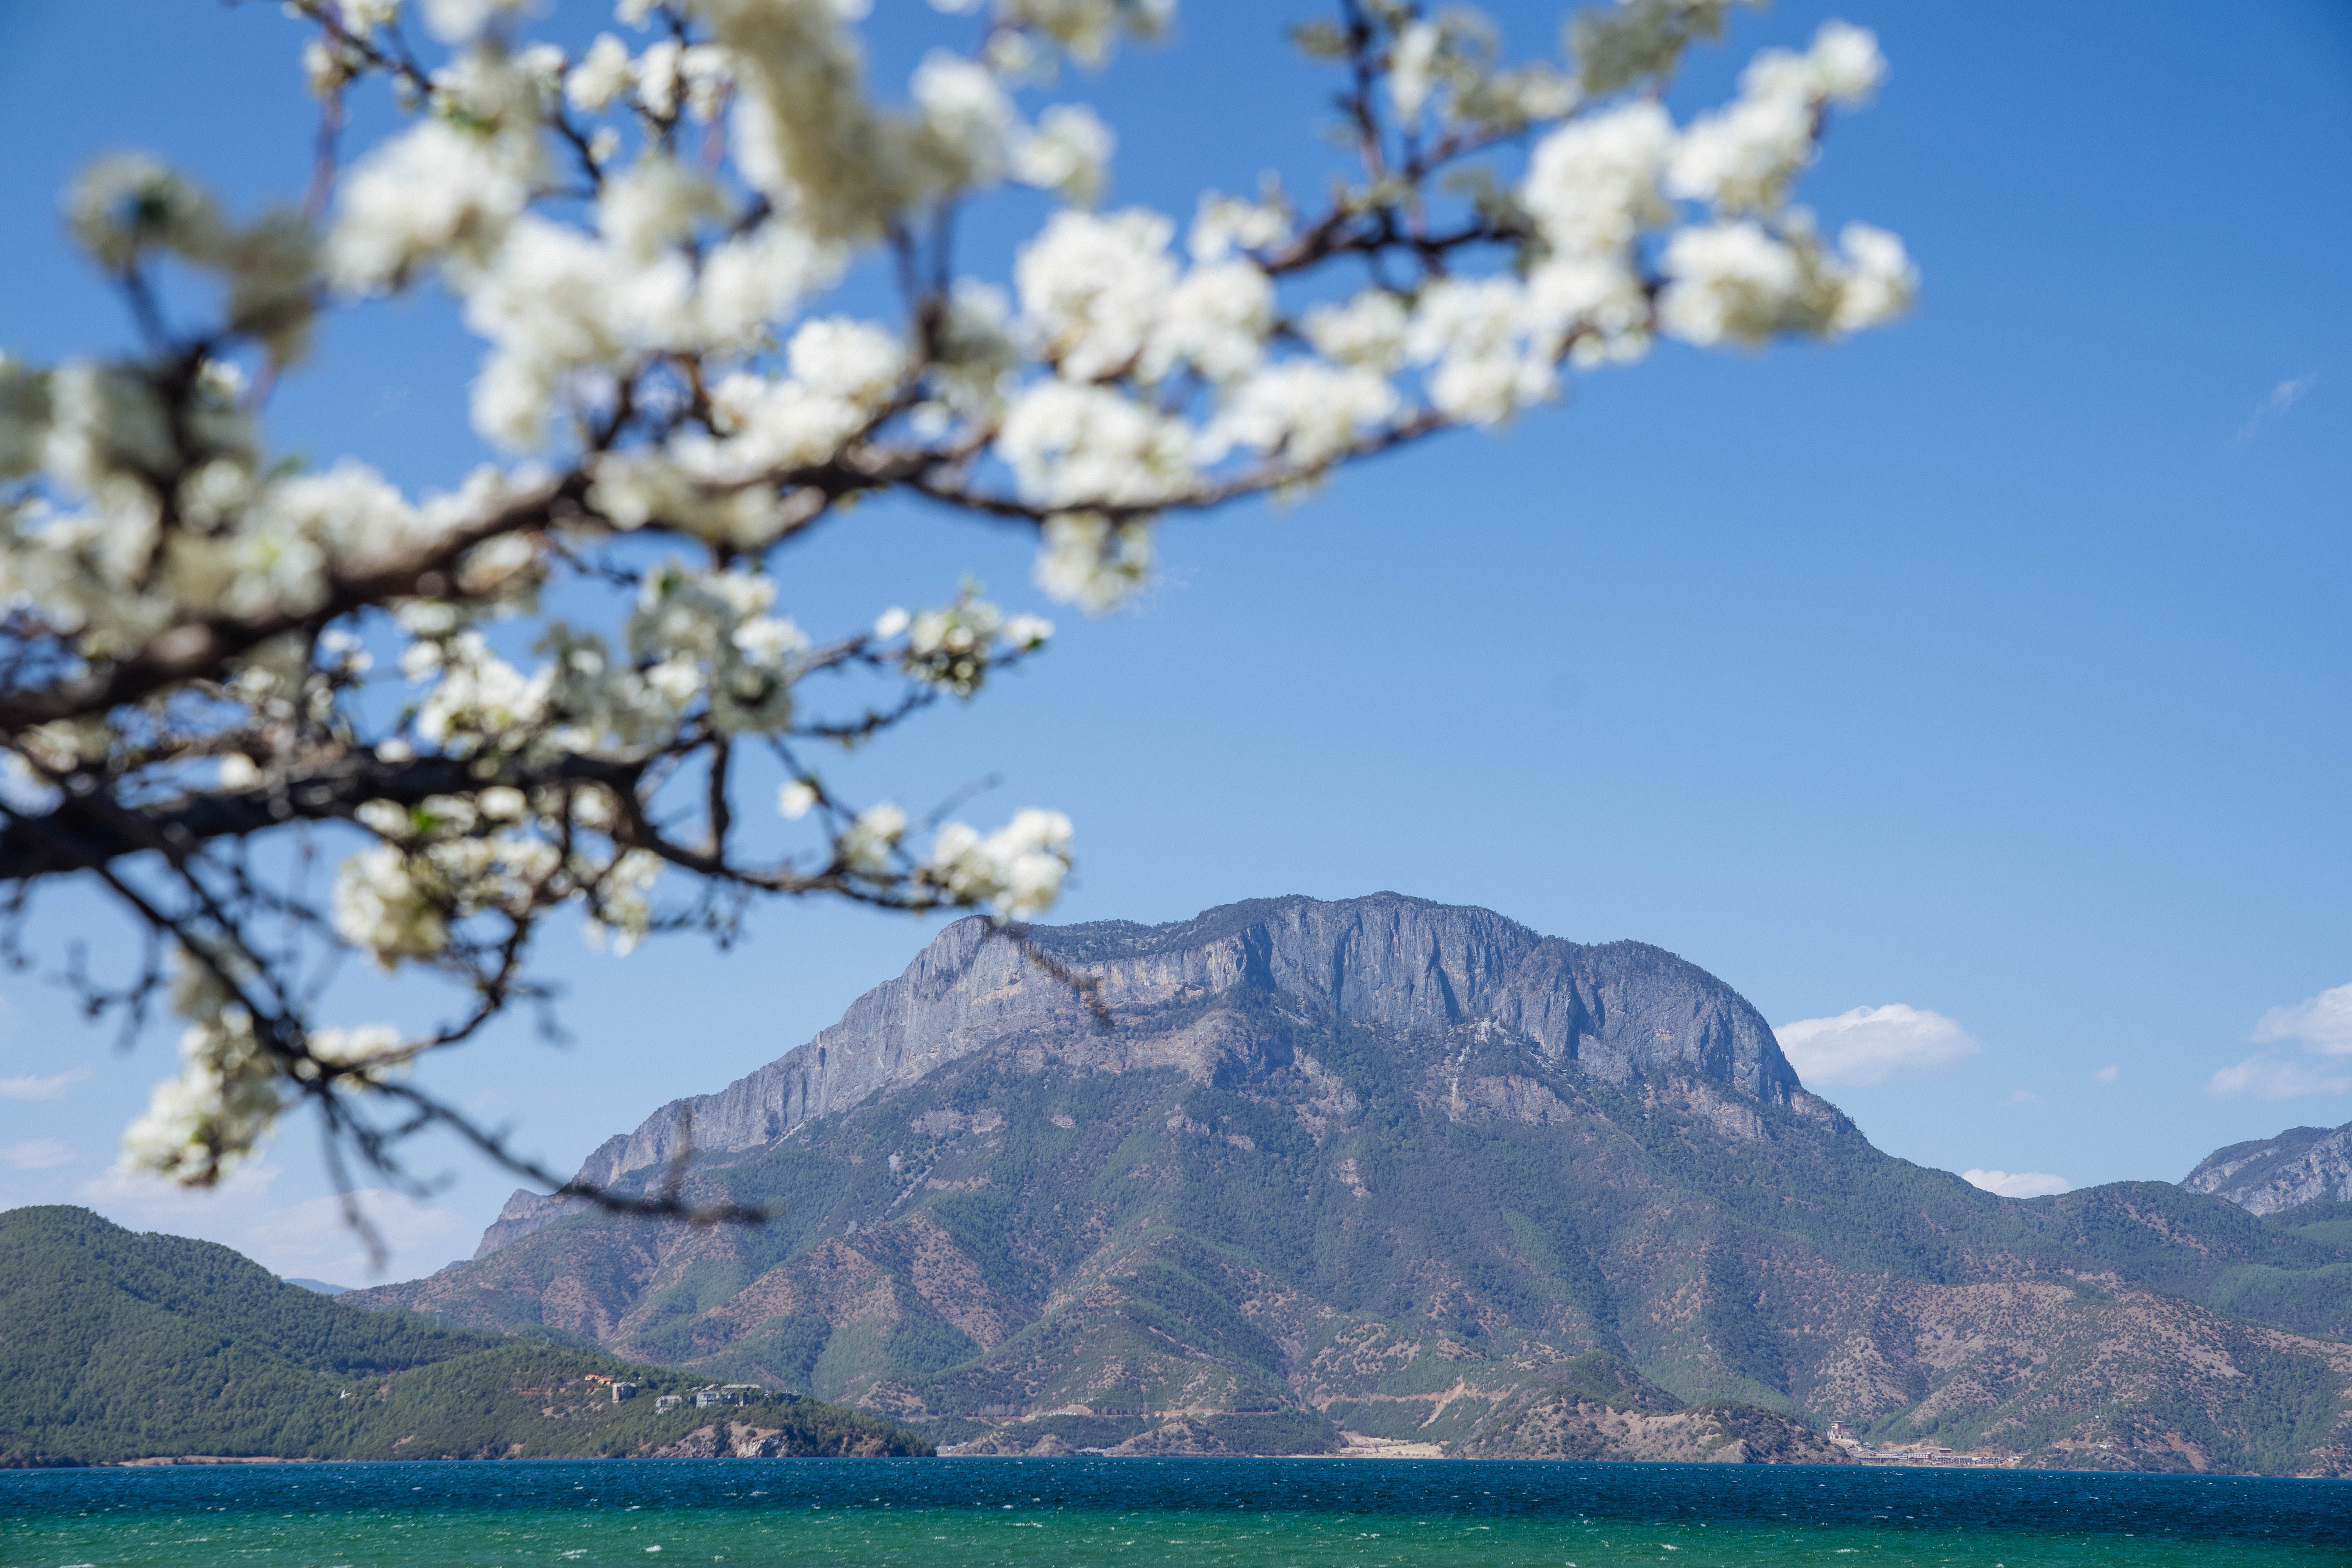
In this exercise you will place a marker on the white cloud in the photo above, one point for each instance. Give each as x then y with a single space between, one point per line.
2324 1023
2018 1184
40 1154
2266 1078
312 1239
2283 396
48 1087
2024 1097
2108 1074
1870 1044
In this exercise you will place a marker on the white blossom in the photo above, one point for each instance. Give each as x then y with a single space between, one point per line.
455 21
1227 223
351 510
1598 306
1640 39
541 66
1473 336
796 799
1077 445
1880 282
203 1123
1453 50
801 130
366 1053
968 113
554 302
865 848
432 189
126 202
768 642
365 16
1086 560
324 68
1739 282
503 803
855 361
780 424
603 75
1311 413
709 75
708 635
1845 64
1215 321
1410 63
379 908
1093 289
1069 153
1743 158
645 208
1087 27
637 489
658 77
106 422
1730 280
622 905
479 700
1018 869
1367 331
1592 186
751 280
951 646
294 531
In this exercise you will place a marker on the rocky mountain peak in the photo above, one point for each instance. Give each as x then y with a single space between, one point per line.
1116 995
2301 1165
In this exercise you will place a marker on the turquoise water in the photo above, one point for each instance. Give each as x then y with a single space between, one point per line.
1150 1511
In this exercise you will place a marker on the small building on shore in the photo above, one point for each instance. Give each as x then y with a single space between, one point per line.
728 1393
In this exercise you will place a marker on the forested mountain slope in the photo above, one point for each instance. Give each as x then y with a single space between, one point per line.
118 1346
1386 1167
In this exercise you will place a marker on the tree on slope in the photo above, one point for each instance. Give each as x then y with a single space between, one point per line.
215 663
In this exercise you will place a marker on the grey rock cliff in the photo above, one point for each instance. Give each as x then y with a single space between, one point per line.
1620 1011
2301 1165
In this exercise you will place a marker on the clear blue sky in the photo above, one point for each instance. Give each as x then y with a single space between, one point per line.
1994 665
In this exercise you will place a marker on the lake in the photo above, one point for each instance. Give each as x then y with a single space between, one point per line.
1146 1511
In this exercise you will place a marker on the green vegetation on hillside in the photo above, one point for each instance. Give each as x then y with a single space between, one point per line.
118 1346
1012 1240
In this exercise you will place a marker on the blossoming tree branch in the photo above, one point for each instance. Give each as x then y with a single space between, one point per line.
646 236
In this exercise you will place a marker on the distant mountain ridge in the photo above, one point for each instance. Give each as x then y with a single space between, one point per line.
1619 1011
1295 1171
2270 1175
